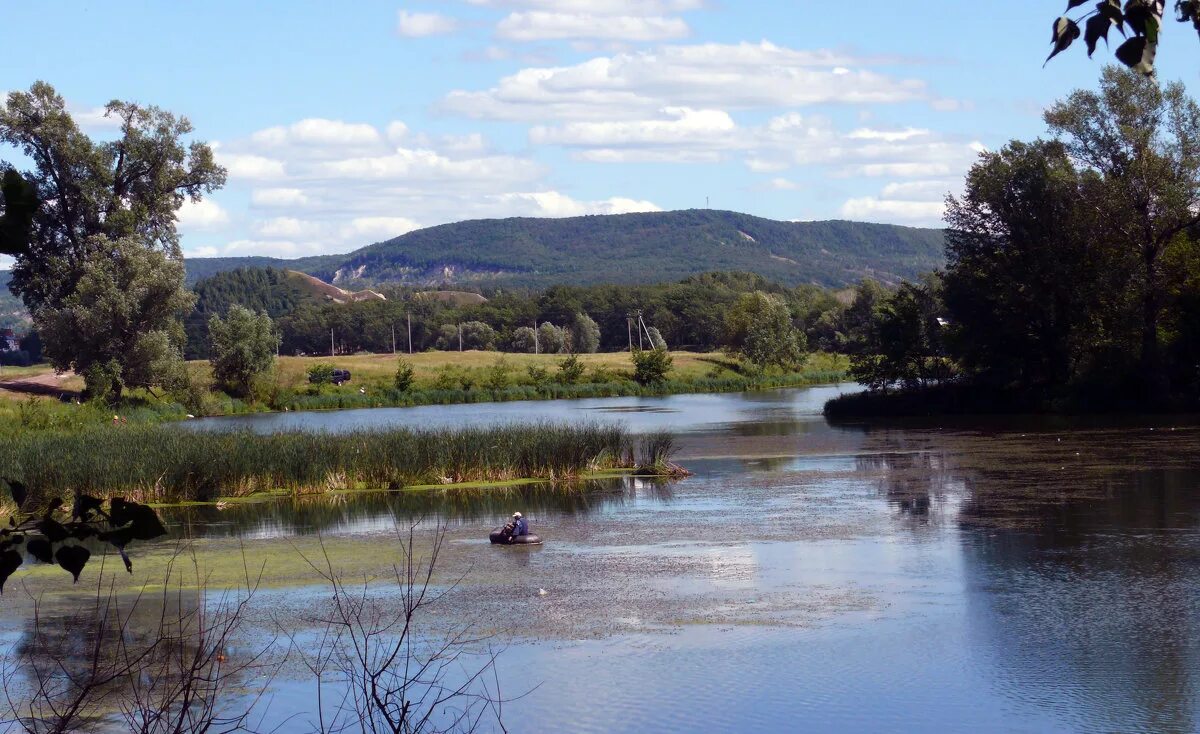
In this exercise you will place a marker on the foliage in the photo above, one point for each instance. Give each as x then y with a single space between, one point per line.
1142 18
656 338
570 370
99 256
524 340
266 290
119 327
759 328
478 335
585 335
404 375
497 375
553 339
56 534
651 366
538 375
243 347
905 343
321 373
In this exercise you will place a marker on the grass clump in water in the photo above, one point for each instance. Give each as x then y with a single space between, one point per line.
168 464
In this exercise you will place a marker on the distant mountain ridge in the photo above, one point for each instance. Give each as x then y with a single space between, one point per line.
621 249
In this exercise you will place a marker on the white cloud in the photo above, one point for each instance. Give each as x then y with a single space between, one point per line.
206 251
704 76
681 125
783 184
249 166
378 228
318 132
555 204
281 197
606 7
6 262
287 228
416 25
205 214
873 209
547 26
889 136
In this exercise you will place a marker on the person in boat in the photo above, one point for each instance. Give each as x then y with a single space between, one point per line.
520 525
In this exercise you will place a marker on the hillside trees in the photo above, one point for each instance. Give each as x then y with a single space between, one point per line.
585 334
905 340
94 205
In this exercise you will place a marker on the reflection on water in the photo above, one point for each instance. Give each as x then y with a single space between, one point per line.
1000 575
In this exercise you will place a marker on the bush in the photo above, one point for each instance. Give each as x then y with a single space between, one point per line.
524 340
497 375
321 374
538 376
650 366
656 339
570 370
552 339
404 376
242 348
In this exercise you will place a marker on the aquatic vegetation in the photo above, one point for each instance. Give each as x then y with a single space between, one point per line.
165 463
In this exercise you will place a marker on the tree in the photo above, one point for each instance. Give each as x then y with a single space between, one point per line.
1027 283
120 326
585 334
651 366
92 203
759 328
570 370
478 335
1143 18
905 341
552 339
656 338
242 347
524 340
405 376
1140 144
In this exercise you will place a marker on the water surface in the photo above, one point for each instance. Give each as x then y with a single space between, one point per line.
1015 575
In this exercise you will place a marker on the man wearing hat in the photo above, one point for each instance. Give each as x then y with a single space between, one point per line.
520 526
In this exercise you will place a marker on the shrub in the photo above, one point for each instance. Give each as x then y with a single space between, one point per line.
524 340
650 366
242 348
570 370
538 376
321 374
656 339
497 375
552 339
404 376
478 335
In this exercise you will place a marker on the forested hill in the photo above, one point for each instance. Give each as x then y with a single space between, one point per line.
624 248
12 312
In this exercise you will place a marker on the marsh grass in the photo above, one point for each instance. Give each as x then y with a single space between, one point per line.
167 464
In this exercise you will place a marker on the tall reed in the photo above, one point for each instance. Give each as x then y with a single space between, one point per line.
169 463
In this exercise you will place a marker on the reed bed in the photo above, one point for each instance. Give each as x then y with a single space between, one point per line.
165 463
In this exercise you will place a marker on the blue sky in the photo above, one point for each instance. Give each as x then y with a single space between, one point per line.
347 123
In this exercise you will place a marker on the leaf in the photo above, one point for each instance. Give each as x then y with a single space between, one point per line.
17 490
73 558
9 561
53 530
1097 28
1130 53
1072 4
84 505
141 519
41 549
1065 32
1137 14
119 538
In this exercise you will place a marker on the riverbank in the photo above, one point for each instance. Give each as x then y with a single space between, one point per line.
163 464
439 378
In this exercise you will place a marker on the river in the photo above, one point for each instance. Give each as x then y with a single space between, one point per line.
1012 575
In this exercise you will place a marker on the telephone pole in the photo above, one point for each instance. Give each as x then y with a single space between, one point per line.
332 348
409 315
460 337
639 315
536 347
629 330
393 340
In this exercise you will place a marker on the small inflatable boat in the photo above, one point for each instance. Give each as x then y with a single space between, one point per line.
497 538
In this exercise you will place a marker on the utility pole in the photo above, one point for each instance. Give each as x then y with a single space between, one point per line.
639 315
332 348
409 315
460 337
536 348
629 330
393 340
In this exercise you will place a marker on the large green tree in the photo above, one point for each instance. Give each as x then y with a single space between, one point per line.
120 326
85 203
759 328
242 347
1140 143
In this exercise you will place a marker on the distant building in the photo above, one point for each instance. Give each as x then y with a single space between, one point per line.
9 342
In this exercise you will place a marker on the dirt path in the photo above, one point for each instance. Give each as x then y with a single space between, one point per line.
49 383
